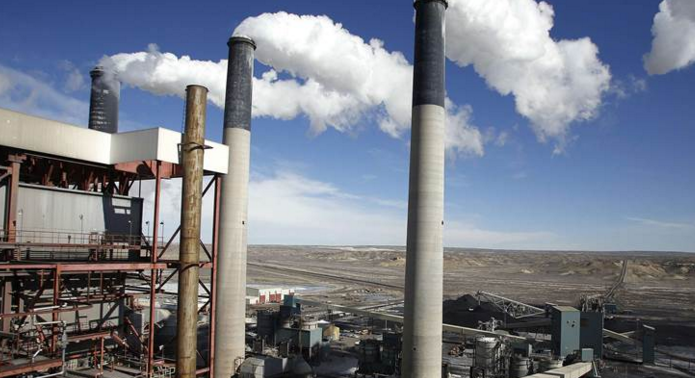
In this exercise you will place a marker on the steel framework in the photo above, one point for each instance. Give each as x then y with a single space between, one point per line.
56 276
513 308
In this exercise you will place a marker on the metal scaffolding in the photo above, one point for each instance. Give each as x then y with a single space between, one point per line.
515 309
67 296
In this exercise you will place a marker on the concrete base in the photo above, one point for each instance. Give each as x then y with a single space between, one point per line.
230 328
422 336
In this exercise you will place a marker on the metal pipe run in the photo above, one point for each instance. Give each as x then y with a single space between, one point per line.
192 150
422 336
230 283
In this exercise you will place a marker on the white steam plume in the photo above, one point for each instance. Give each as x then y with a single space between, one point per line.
673 46
318 70
508 42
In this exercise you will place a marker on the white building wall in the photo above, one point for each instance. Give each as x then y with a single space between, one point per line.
41 135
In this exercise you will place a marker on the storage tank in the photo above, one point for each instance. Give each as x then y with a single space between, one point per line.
519 366
486 352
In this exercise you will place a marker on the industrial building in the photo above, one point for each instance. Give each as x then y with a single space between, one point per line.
260 294
79 270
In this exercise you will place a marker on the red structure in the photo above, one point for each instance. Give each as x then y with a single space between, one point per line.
67 297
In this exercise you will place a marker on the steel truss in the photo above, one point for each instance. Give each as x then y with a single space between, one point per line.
513 308
40 289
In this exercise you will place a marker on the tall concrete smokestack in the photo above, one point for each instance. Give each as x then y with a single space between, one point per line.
422 336
192 150
103 101
230 331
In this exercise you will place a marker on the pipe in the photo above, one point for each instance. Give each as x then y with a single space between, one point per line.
103 101
192 150
231 281
422 336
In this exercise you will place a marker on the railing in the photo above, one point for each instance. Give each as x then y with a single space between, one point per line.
74 245
73 237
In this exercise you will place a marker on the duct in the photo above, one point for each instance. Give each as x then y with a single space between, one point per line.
103 101
231 261
192 150
422 336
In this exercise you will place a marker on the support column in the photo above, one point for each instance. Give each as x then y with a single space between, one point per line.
154 271
6 303
55 314
231 278
192 150
11 201
213 275
422 336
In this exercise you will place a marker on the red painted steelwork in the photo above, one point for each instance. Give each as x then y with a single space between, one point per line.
213 278
10 370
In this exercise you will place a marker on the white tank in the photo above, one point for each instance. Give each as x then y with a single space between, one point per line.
486 352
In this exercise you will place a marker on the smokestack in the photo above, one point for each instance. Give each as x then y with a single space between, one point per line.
230 331
192 150
422 336
103 101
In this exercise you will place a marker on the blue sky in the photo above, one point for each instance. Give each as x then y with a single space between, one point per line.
619 178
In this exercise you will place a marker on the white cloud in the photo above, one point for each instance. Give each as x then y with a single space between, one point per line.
673 46
289 208
461 136
25 93
74 80
459 234
662 224
318 69
508 43
626 88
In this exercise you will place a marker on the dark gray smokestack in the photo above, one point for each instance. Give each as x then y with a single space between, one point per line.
230 326
237 105
103 103
422 334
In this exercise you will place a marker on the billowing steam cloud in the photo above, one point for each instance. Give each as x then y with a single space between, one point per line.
341 79
508 42
674 37
167 74
336 79
332 77
343 74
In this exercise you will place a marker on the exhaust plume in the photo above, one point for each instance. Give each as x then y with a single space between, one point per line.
318 69
508 43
